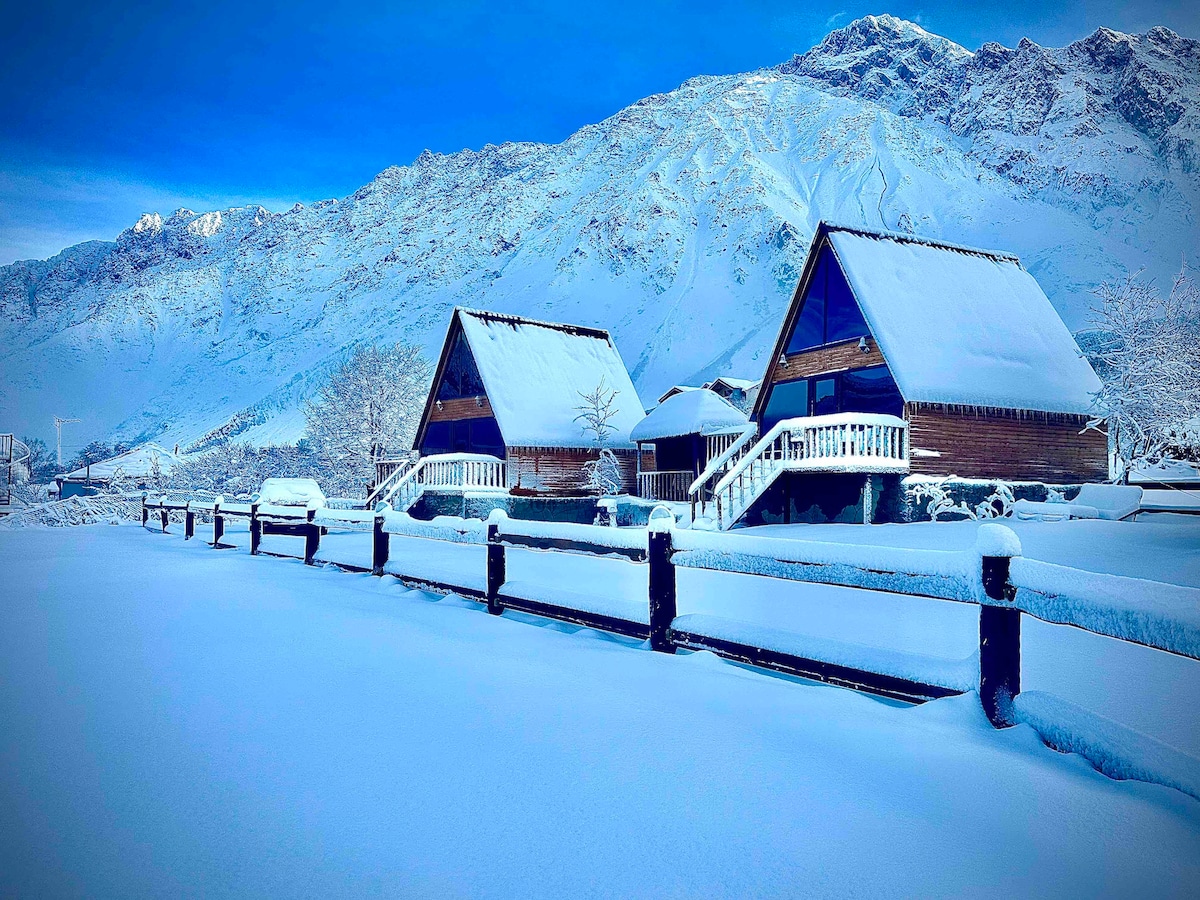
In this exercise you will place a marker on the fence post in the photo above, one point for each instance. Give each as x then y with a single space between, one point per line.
163 515
380 543
496 569
255 529
999 628
189 522
662 580
218 524
312 539
145 511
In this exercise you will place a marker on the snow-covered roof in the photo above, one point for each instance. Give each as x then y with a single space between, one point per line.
965 326
677 389
691 412
737 384
135 463
536 373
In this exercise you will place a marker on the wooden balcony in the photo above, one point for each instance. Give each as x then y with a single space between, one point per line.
668 486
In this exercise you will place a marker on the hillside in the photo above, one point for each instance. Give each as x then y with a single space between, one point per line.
679 223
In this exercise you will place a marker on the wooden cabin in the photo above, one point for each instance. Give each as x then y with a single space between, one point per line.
509 388
136 469
898 356
686 430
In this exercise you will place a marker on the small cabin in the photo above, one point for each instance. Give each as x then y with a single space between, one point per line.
510 389
134 469
900 355
685 431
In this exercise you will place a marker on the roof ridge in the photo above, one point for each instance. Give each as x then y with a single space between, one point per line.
513 319
900 237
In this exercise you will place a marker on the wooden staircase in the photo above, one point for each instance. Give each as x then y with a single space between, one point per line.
448 472
845 442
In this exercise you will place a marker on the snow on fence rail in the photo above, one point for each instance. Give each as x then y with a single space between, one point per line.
1162 616
992 575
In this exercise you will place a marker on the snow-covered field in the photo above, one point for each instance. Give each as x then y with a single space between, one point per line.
181 720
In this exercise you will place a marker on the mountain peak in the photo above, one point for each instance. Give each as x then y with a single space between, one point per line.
875 55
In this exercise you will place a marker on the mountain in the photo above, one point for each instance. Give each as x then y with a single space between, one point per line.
680 223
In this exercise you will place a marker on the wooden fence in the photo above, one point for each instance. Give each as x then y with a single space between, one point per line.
992 576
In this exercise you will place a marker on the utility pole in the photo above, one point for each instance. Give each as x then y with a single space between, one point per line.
59 422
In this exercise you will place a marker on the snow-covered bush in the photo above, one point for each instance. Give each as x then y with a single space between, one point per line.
603 473
367 410
1148 359
997 504
239 469
940 502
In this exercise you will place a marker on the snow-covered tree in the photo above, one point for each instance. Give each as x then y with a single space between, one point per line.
369 408
596 413
1148 360
603 473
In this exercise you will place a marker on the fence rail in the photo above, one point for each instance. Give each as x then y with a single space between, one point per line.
992 575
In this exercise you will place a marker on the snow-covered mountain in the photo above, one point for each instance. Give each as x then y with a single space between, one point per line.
680 223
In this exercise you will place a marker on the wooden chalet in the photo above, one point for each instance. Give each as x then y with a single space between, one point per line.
686 430
900 356
503 410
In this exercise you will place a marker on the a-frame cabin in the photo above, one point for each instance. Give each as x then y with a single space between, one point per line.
898 356
511 388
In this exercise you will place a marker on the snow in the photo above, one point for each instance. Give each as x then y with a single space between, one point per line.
1168 470
689 412
604 536
1115 750
963 327
291 492
536 374
135 463
206 722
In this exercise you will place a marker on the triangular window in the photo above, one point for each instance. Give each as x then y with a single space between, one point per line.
830 313
461 376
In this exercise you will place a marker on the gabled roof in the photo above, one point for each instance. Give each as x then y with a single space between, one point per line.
677 389
734 384
691 412
955 324
135 463
535 374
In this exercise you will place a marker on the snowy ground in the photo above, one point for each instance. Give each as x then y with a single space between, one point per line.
182 720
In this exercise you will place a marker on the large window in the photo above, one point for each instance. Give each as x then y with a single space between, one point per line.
464 436
830 312
869 390
461 377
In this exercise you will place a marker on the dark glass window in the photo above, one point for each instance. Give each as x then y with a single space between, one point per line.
871 390
843 319
461 376
824 397
830 312
788 400
464 436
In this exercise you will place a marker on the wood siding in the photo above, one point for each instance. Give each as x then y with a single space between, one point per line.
459 408
558 471
822 360
1014 445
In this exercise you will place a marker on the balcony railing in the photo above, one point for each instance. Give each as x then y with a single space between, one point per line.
669 486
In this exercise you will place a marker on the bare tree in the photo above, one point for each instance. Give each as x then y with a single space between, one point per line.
1149 365
596 412
369 408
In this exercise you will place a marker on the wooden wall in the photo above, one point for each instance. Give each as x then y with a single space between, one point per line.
460 408
1014 445
551 471
831 358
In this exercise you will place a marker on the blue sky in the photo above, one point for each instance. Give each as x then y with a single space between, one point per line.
108 110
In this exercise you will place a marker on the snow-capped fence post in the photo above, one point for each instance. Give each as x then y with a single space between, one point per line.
218 524
255 529
163 515
145 511
496 569
189 522
380 544
999 625
312 538
662 579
